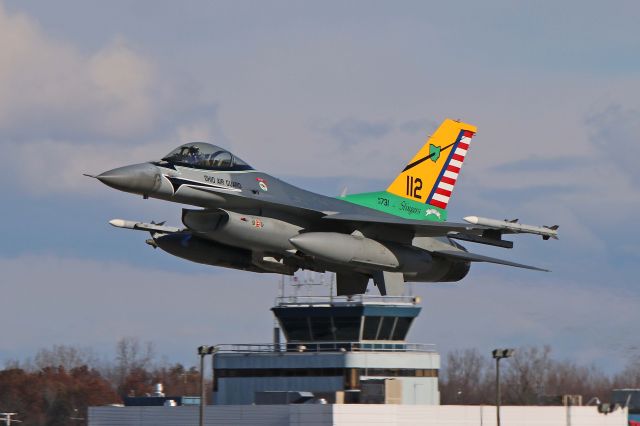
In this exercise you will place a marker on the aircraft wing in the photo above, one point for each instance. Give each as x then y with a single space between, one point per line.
433 229
473 257
480 230
421 228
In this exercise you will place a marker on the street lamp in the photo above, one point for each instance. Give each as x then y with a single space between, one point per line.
203 351
498 354
6 418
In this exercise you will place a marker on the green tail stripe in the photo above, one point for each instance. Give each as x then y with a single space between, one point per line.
398 206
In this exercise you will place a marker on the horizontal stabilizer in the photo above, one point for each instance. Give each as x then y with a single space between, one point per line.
472 257
142 226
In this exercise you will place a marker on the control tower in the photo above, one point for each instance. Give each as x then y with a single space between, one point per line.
337 350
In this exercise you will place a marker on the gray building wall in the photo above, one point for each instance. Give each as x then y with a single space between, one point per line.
241 390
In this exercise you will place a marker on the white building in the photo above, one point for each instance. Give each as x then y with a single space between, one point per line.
355 414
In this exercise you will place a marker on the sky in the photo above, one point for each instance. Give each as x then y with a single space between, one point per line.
325 95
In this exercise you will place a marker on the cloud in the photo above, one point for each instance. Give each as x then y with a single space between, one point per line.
540 164
56 167
65 111
49 88
94 303
549 123
352 131
50 166
260 111
349 132
121 82
420 126
510 307
615 131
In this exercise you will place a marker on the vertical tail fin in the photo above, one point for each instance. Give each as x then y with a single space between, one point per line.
432 173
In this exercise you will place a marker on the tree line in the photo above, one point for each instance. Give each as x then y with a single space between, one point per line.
56 386
530 377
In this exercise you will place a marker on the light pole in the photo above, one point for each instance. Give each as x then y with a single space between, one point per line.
498 354
203 351
6 418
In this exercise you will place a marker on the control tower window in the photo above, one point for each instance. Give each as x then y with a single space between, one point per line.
371 325
322 329
297 329
202 155
402 328
347 328
386 327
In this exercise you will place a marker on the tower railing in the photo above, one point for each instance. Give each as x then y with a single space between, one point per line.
303 347
357 299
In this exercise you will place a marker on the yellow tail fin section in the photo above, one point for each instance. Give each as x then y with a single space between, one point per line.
432 173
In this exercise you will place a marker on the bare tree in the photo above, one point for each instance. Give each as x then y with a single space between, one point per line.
464 381
131 354
67 357
133 358
526 375
568 378
530 377
629 377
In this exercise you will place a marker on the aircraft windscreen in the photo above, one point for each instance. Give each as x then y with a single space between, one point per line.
202 155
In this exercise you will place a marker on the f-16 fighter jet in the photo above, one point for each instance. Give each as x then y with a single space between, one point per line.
252 221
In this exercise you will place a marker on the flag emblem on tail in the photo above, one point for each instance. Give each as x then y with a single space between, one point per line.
441 192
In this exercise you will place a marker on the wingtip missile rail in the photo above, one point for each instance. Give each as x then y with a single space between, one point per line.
514 227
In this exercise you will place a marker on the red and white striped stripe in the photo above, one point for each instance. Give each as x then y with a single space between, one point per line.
450 176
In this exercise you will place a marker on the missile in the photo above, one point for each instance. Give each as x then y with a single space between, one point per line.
121 223
513 226
142 226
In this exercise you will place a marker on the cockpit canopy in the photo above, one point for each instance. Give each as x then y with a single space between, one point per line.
201 155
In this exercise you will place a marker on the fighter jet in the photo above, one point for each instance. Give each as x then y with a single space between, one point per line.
255 222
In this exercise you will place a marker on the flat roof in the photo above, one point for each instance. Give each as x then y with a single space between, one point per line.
355 300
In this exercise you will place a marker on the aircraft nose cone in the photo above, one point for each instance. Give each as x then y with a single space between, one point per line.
141 178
